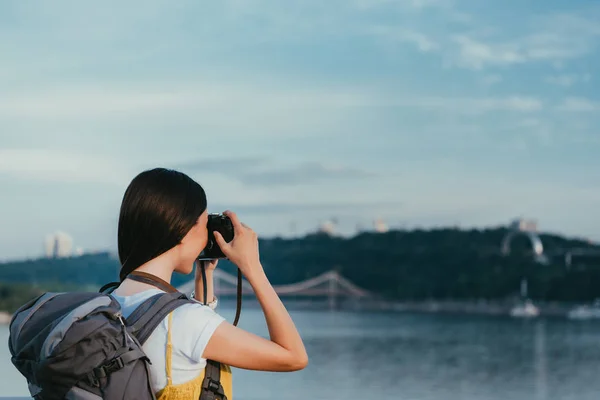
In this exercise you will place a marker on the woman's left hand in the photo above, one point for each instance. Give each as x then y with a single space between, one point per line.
209 266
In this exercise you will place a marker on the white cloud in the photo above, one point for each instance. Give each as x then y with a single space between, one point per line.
234 110
394 35
561 80
258 171
61 166
217 102
406 4
490 80
553 38
83 102
475 54
475 105
567 80
579 104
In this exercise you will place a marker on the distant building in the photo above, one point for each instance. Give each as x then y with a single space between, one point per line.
524 225
327 227
380 226
58 245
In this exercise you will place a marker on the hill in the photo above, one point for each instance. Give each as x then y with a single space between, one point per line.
398 265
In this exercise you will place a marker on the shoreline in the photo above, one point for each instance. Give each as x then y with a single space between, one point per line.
483 308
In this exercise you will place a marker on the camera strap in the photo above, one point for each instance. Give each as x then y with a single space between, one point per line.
153 280
238 308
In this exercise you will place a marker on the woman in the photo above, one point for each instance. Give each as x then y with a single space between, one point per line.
162 229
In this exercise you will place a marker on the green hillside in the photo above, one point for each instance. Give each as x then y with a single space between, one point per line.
398 265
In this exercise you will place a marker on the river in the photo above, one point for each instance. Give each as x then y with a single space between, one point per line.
416 356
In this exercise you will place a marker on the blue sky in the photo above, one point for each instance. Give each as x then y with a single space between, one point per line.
422 112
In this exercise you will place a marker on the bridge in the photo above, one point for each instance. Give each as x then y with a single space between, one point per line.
330 284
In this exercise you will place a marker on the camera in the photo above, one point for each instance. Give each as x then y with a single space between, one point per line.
222 224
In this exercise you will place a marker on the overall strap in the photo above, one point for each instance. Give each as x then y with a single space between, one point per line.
169 352
211 385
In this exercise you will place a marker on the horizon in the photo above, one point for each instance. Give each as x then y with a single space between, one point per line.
420 112
113 252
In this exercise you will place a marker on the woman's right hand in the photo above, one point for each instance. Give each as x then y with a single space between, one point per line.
243 249
241 349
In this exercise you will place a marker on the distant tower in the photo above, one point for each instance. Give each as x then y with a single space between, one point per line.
59 244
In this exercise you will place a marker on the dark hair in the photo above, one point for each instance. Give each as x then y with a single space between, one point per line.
159 208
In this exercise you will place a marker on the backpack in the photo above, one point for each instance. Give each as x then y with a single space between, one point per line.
78 346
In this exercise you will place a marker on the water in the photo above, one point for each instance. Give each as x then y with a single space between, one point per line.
420 357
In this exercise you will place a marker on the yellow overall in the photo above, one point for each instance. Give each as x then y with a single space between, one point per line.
189 390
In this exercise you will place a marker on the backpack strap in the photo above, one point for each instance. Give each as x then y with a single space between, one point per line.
148 315
211 384
112 286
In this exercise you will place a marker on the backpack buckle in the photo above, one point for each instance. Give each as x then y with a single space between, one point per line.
93 379
108 368
114 365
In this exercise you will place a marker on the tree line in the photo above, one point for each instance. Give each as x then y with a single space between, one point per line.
398 265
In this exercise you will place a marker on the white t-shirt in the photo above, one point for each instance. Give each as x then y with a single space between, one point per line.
192 327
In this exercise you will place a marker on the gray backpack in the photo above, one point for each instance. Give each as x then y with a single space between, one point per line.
78 345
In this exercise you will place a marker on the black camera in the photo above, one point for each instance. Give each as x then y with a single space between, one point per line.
222 224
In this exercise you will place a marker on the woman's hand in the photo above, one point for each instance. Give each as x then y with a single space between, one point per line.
243 249
238 348
209 266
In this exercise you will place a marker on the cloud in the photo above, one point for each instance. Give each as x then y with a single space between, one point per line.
290 207
396 35
490 80
567 80
109 98
215 103
430 25
579 104
257 171
305 173
84 102
467 105
556 37
61 166
224 165
223 108
475 54
553 38
404 4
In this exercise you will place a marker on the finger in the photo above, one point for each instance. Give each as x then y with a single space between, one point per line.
223 245
234 220
213 263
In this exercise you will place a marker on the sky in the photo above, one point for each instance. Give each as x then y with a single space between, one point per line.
425 113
